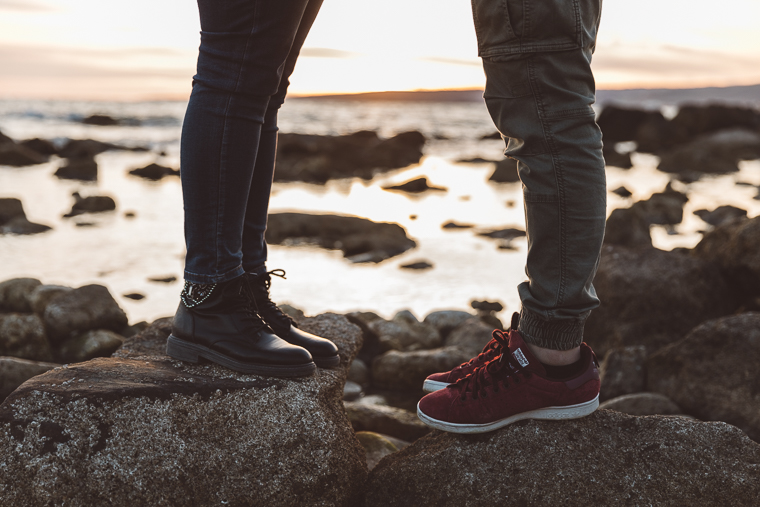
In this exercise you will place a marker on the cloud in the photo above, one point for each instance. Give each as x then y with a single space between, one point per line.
326 53
25 6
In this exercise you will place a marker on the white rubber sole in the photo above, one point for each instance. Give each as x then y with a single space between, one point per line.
431 386
550 413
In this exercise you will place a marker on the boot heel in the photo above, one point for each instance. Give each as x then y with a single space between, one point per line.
178 349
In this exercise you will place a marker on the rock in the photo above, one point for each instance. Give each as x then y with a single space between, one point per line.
414 186
198 434
371 344
445 321
652 298
375 446
97 343
721 215
697 120
10 208
136 296
163 279
470 337
505 171
663 208
392 421
151 341
83 309
88 148
622 124
728 349
624 460
455 225
508 233
735 247
15 371
477 160
42 295
359 373
154 172
622 192
373 399
696 158
5 139
354 236
15 294
616 159
622 372
41 146
23 335
317 159
487 306
16 155
492 136
351 391
101 120
642 404
417 265
20 225
292 311
85 169
404 332
408 370
91 204
628 227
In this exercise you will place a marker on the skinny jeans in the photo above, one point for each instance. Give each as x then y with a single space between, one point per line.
247 53
539 91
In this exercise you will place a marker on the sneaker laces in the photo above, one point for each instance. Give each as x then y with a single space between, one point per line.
494 373
492 348
263 301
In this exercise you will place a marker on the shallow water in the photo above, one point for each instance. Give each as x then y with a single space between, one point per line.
122 253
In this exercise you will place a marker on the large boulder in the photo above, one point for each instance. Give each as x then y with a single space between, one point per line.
317 159
622 372
712 373
83 309
470 337
408 370
96 343
663 208
15 294
622 124
696 119
15 371
716 153
735 247
445 321
606 458
147 430
652 297
628 227
361 240
23 335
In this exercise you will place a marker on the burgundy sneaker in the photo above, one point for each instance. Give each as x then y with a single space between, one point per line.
492 350
509 389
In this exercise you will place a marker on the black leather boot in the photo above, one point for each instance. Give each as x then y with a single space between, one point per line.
216 322
324 352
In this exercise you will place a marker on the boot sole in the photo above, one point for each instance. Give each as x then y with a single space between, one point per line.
326 362
548 413
192 353
431 386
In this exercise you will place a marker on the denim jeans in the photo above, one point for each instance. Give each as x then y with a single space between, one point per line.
539 91
229 137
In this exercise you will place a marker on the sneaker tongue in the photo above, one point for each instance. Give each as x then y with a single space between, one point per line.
522 354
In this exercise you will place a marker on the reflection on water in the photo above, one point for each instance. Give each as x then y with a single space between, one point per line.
122 253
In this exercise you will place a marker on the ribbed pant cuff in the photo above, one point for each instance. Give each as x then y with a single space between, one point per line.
550 334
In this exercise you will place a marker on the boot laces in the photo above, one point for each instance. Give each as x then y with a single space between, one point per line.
497 372
240 295
263 301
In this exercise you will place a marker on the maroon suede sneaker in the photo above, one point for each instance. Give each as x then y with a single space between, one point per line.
509 389
491 351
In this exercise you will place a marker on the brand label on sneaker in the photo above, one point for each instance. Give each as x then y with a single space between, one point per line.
520 357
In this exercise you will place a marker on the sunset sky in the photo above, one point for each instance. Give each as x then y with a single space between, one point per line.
141 49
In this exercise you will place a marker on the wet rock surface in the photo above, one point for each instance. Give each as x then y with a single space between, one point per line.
642 404
712 373
606 458
361 240
97 432
317 159
414 186
653 298
15 371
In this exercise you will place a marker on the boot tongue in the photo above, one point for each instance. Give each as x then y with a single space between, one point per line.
522 354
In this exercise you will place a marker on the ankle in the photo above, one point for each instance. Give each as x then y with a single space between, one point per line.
555 357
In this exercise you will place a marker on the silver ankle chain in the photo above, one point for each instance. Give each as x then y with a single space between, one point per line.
194 294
